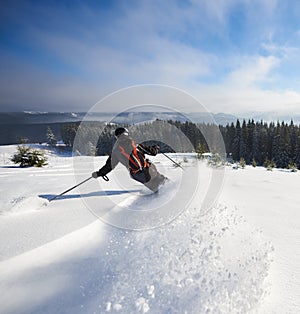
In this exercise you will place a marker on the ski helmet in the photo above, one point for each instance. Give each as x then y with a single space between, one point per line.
120 131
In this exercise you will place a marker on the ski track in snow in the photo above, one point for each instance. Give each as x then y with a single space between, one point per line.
27 204
212 263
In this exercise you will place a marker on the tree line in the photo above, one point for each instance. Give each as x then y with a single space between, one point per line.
261 142
254 142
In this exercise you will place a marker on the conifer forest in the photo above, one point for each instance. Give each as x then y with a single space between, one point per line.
255 142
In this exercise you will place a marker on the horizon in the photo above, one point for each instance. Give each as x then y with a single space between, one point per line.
226 118
235 56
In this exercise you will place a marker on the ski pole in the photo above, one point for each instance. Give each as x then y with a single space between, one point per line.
72 188
173 161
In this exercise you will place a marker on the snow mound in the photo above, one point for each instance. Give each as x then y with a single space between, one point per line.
197 264
24 204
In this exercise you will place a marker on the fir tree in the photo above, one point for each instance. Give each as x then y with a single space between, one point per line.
292 166
200 150
255 149
51 139
297 152
293 141
236 142
275 144
284 143
105 142
244 143
242 162
29 157
68 133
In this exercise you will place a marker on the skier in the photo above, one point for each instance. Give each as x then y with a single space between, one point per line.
132 156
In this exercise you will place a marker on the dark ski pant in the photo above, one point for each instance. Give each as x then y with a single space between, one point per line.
150 177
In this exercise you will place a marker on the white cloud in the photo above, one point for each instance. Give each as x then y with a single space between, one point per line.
242 90
253 71
236 101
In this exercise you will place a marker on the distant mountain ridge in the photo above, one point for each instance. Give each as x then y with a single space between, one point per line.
28 117
32 117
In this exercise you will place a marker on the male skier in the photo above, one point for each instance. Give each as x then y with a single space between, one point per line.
132 156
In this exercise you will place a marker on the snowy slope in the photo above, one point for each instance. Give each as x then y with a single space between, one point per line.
61 258
270 201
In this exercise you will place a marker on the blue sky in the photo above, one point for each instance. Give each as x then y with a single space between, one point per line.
234 56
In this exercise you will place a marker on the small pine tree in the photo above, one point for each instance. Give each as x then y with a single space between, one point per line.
253 163
292 166
91 149
269 164
230 159
273 164
28 157
216 160
200 151
242 162
51 140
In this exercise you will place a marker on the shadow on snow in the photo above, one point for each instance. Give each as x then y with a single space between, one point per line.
92 194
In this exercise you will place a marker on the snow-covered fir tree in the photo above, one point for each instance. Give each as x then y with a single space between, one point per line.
51 139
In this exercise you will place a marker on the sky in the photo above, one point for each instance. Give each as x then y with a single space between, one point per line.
234 56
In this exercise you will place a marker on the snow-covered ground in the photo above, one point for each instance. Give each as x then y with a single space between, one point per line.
72 256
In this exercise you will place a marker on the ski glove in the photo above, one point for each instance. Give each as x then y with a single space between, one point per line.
101 173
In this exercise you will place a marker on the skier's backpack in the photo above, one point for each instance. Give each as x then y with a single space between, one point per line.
136 160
